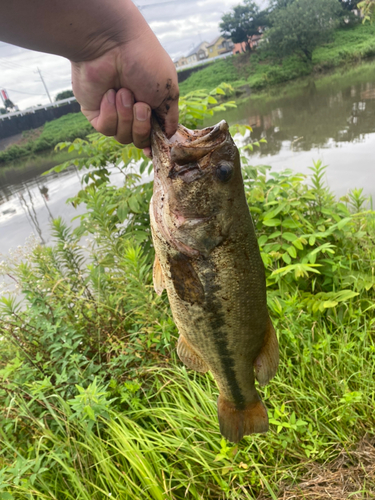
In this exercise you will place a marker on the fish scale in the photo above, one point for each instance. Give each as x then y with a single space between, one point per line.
208 260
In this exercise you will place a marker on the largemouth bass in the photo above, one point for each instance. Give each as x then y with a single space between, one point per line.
208 260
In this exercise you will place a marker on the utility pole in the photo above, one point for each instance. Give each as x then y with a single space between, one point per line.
45 86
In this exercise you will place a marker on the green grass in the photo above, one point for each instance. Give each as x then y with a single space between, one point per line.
348 45
66 128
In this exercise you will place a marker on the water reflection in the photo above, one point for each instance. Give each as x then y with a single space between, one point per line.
29 202
331 119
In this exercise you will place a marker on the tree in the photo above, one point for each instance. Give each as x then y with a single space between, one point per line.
64 95
368 10
3 111
302 25
243 21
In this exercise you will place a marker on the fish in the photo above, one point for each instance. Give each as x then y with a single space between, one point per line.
207 258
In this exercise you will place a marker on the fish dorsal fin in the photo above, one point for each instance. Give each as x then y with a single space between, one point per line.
267 361
157 275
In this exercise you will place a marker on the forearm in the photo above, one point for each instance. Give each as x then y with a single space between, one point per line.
76 29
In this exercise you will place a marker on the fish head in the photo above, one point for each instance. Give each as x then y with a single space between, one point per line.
198 175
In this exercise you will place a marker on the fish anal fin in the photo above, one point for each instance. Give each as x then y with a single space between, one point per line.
236 423
157 275
189 356
267 361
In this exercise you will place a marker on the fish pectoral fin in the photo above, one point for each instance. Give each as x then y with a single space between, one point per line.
185 279
236 423
267 361
157 275
189 356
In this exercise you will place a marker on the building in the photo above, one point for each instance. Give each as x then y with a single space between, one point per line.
182 61
219 46
199 53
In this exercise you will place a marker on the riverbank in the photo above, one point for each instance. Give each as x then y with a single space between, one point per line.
66 128
258 72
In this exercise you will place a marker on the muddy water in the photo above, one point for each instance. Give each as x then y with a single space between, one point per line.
331 119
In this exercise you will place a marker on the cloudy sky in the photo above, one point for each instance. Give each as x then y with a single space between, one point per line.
179 24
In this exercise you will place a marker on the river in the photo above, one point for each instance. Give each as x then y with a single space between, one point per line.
331 119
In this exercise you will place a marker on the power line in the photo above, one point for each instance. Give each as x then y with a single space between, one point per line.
11 63
20 92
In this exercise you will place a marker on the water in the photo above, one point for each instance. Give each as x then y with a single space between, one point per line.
29 201
330 119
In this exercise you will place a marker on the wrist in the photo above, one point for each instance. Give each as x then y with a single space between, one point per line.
117 23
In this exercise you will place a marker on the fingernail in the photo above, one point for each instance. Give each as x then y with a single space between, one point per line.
111 96
142 113
127 99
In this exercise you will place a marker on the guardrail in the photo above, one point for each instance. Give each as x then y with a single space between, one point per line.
204 61
56 104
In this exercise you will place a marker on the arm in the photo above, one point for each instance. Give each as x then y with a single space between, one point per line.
119 69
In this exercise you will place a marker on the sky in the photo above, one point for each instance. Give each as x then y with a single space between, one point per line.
180 25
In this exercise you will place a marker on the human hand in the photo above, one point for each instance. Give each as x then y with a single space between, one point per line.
119 89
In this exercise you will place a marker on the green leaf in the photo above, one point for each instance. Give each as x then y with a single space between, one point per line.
297 243
343 222
271 222
133 204
272 213
262 240
122 211
289 236
286 258
292 252
291 224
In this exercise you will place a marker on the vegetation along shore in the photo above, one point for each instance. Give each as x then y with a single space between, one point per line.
258 71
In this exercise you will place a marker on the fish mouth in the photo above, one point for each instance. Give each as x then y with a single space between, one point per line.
188 146
182 152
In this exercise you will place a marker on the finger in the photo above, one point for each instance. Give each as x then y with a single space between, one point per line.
106 121
147 152
141 125
167 112
124 106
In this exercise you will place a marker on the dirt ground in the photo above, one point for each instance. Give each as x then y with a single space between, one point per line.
350 477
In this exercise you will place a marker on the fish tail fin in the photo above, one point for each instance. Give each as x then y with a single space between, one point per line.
236 423
267 361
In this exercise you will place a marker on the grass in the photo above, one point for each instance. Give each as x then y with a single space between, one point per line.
66 128
348 46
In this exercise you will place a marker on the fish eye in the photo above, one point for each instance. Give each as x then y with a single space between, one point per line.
224 172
